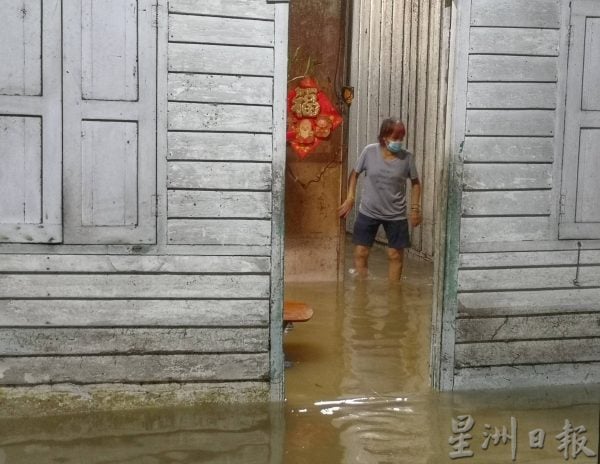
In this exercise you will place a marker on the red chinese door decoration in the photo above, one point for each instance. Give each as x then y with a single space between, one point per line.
311 117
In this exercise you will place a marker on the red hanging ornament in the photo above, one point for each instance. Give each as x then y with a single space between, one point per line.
311 117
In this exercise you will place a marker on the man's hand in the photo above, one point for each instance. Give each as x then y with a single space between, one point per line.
346 207
415 217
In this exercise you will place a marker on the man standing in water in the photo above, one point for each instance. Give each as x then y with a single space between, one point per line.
387 167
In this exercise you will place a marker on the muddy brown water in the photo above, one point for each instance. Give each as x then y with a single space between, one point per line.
358 391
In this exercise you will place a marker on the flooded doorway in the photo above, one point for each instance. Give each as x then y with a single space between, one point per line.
395 55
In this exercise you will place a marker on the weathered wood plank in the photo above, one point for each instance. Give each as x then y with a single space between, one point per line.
217 175
210 88
512 68
485 304
133 285
33 342
206 204
507 176
21 50
134 368
509 149
526 278
499 229
484 95
511 13
258 9
133 313
224 118
208 146
204 58
527 376
518 328
527 352
528 258
219 232
218 30
20 177
529 202
510 122
120 264
514 41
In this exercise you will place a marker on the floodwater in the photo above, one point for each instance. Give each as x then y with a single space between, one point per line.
357 392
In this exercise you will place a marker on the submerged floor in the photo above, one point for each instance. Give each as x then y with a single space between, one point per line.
357 392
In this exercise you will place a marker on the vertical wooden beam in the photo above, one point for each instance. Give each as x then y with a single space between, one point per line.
278 189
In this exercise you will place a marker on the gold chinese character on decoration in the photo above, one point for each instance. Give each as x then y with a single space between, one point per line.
305 104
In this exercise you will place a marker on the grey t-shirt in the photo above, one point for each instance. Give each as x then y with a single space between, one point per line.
384 189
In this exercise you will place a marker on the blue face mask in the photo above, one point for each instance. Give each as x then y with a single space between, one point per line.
394 146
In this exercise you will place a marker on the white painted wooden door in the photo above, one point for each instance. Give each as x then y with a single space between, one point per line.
580 199
109 132
30 122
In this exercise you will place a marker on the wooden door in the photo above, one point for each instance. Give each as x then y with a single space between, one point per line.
109 84
30 122
580 199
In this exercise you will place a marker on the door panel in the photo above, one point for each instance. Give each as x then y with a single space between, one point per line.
580 205
30 122
109 85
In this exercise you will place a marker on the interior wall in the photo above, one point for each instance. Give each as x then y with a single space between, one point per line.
313 237
399 68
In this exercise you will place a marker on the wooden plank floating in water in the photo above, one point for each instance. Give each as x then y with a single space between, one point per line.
220 59
133 286
296 311
134 313
133 369
511 13
527 327
527 352
87 341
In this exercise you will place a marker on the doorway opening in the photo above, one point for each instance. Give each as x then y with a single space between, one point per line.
394 55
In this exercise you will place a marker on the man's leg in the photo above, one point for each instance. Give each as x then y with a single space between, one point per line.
396 256
361 260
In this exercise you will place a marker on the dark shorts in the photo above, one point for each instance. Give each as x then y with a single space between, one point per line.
365 229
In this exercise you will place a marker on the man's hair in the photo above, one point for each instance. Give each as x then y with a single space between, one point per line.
387 128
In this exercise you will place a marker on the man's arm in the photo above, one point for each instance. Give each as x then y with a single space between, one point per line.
348 204
415 215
